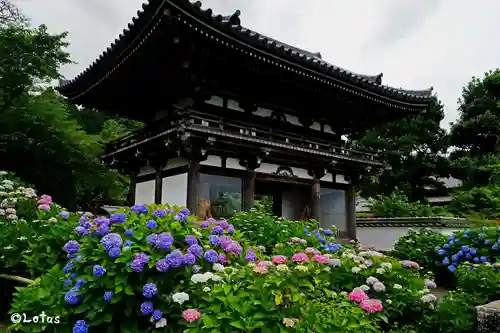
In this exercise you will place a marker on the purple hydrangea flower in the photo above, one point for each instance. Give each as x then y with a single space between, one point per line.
87 225
230 229
80 327
137 266
250 257
151 224
142 257
83 219
71 247
160 213
185 211
68 267
139 209
217 230
147 308
149 290
196 249
102 229
223 224
152 238
112 240
64 215
129 233
107 296
101 220
175 259
222 258
214 240
162 265
430 284
157 315
211 256
234 248
81 231
118 218
190 240
189 259
98 271
165 241
204 224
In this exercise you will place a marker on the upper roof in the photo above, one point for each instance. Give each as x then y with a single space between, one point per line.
130 40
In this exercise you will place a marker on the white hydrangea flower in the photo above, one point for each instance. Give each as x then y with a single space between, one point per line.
180 298
10 247
380 271
370 254
356 270
397 286
22 238
369 263
282 268
386 265
371 280
378 287
207 289
200 278
334 262
3 173
52 219
364 287
12 217
2 212
388 301
261 248
216 278
218 267
428 298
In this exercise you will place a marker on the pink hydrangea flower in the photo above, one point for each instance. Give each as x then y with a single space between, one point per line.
410 264
44 207
191 315
371 305
358 295
45 200
310 250
260 269
279 259
300 257
264 263
322 259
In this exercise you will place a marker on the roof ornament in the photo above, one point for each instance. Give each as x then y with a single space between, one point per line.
233 19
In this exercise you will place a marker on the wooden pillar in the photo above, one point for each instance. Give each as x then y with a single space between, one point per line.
315 196
158 183
350 210
132 189
193 184
248 190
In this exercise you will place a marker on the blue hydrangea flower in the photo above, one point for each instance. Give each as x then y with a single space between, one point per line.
147 308
196 249
139 209
204 224
465 248
190 240
250 257
67 283
112 240
114 252
98 271
457 240
441 252
321 240
495 246
152 238
487 242
446 261
306 231
328 232
68 267
189 259
164 241
149 290
108 295
129 233
151 224
160 213
72 276
446 246
128 243
102 229
157 315
80 327
175 259
81 231
180 217
214 240
118 218
451 268
71 247
483 259
476 260
217 230
64 215
83 219
211 256
468 256
162 265
473 251
79 283
72 297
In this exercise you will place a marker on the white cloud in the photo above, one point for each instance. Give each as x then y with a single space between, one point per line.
415 43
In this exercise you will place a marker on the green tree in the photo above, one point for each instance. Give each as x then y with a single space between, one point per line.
39 140
414 148
476 133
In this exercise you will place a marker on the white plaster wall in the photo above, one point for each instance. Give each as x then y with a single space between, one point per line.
146 170
293 120
292 204
216 100
262 112
270 168
212 160
175 163
332 208
339 179
174 190
233 105
233 163
383 238
145 193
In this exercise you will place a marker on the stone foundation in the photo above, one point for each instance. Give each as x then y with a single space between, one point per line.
488 318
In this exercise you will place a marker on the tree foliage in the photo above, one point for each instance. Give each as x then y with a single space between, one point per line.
414 148
40 139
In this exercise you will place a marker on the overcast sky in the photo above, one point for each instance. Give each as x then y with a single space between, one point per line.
415 43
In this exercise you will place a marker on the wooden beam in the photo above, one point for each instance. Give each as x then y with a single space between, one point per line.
158 184
350 210
315 195
132 189
248 190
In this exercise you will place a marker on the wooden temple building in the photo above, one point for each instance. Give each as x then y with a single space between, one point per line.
232 115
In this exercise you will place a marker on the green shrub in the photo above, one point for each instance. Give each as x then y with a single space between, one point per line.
481 280
398 205
478 200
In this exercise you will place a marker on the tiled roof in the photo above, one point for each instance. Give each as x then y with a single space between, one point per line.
231 25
